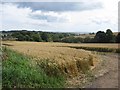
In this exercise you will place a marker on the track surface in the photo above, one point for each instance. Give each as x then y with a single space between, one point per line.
107 77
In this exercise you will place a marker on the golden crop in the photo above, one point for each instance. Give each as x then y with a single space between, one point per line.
70 60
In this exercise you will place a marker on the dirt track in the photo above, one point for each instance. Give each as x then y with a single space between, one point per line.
106 75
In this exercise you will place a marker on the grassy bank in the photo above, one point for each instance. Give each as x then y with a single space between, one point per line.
19 71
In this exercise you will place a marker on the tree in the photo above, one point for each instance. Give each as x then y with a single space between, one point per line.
72 39
100 37
109 36
45 37
55 38
27 37
20 37
87 39
36 37
118 38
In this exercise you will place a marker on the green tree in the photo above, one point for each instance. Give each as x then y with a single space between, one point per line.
87 39
36 37
45 37
109 36
100 37
20 37
55 38
27 37
118 38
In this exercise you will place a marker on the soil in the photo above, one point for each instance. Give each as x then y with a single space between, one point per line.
105 75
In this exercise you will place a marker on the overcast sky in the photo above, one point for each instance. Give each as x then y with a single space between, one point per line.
82 16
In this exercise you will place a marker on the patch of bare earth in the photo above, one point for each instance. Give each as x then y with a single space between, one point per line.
105 75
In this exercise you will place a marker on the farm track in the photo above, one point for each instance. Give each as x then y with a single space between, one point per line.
107 77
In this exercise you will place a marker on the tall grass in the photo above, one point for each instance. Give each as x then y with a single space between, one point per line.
18 71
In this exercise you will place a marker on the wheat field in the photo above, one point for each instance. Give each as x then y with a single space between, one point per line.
69 60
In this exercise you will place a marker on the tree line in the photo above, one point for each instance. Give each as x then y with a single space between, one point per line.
100 37
39 36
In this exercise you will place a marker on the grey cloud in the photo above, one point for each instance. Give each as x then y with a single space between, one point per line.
60 6
48 18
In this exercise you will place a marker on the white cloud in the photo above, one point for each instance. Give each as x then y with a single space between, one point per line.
80 21
13 17
95 20
19 18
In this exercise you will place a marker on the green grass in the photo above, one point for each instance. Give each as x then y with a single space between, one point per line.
19 71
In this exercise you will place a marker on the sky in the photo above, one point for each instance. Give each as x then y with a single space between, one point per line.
80 16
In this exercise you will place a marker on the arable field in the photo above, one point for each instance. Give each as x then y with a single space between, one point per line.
71 62
52 46
65 57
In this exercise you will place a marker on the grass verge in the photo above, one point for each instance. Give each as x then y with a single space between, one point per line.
18 71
